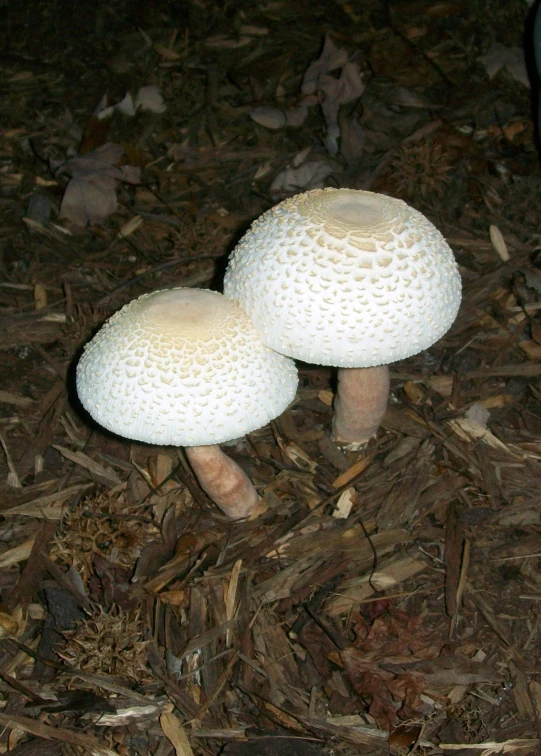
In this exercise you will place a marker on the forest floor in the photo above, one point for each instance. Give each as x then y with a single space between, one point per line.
387 601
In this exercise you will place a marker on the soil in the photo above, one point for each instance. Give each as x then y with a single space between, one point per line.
387 600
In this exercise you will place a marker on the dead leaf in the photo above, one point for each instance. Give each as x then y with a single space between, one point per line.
176 734
275 118
310 175
510 58
393 634
447 670
337 92
404 736
89 201
90 196
330 59
149 98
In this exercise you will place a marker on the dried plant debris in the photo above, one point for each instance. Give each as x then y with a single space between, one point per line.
90 194
387 601
148 98
499 57
103 526
419 171
109 643
320 87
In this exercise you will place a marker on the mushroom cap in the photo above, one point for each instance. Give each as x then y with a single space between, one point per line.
183 367
346 278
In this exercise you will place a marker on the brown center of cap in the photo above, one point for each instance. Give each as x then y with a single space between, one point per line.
184 313
353 210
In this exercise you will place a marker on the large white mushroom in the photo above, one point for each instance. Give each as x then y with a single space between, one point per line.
186 367
351 279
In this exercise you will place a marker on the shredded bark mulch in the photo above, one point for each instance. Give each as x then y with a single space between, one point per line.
388 600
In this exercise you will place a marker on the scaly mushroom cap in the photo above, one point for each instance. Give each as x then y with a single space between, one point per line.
183 367
346 278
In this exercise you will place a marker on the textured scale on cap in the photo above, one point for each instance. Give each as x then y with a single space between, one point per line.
345 277
183 367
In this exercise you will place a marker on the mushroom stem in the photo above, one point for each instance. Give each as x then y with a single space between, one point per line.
360 403
223 480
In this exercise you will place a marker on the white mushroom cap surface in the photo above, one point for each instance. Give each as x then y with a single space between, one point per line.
346 278
183 367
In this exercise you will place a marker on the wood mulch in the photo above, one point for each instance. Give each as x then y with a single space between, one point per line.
387 601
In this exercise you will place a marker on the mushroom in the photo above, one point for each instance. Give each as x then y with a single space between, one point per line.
186 367
351 279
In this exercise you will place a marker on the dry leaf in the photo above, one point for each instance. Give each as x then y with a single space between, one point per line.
275 118
310 175
333 94
392 635
175 732
330 59
90 195
150 98
511 58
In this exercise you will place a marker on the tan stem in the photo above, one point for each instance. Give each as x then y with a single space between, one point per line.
223 480
360 403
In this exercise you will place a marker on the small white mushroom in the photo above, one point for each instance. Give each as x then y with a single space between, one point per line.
351 279
186 367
